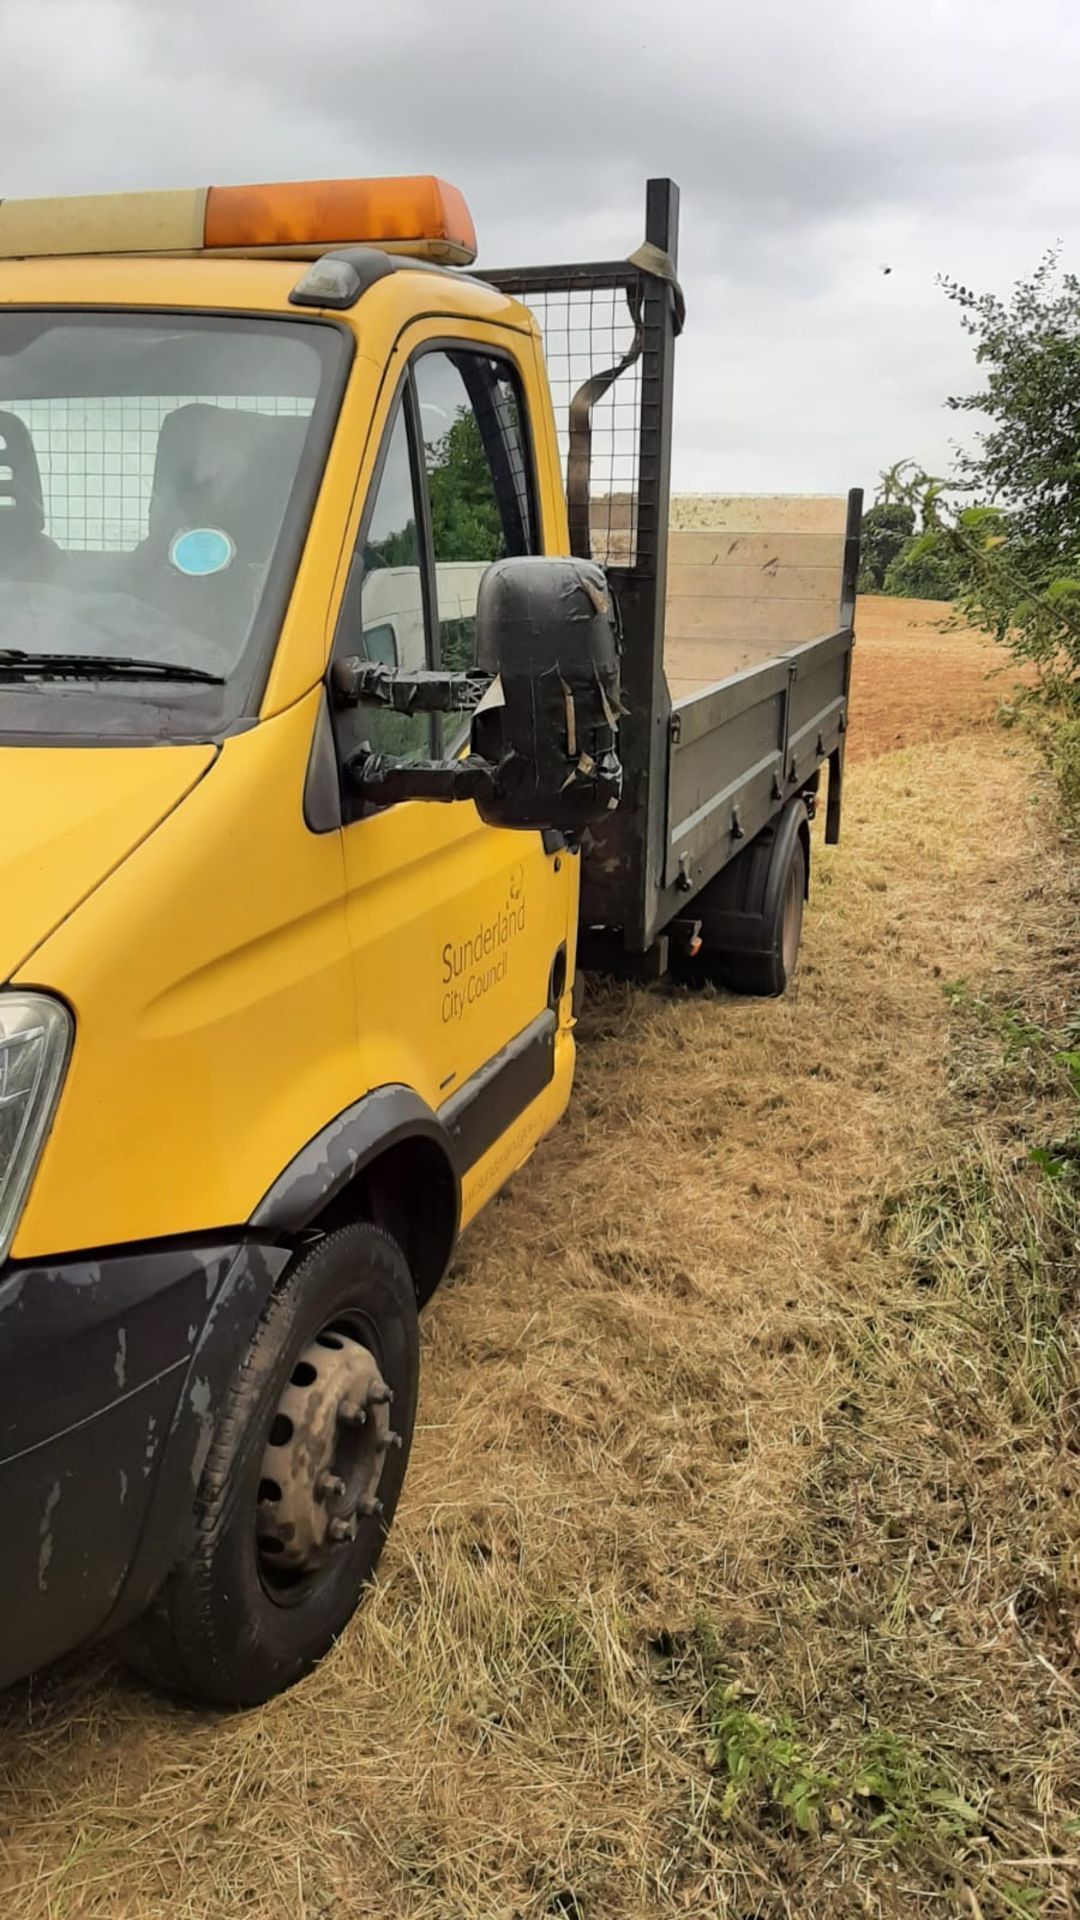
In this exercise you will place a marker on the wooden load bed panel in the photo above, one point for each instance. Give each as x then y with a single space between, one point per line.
749 577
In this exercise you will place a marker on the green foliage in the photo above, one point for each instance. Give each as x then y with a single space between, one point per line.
886 530
1014 545
1029 459
1044 1062
901 1794
1061 739
457 640
1061 1159
897 559
1027 1903
396 549
927 569
761 1759
882 1786
465 520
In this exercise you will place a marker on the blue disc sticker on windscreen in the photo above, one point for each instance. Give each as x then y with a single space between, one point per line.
202 550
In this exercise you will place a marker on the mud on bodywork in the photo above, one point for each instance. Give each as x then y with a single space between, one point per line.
111 1368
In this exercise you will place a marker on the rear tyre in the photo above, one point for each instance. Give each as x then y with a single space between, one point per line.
769 971
301 1483
777 932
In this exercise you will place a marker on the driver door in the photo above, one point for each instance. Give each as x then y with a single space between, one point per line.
456 928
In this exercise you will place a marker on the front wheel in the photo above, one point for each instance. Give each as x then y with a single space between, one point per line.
301 1483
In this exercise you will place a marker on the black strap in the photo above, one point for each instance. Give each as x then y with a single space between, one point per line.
649 260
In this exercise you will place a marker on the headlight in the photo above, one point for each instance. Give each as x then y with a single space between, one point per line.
35 1038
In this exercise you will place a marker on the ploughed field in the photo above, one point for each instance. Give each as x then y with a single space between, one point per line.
919 675
737 1569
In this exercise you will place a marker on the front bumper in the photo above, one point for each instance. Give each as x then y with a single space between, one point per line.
111 1367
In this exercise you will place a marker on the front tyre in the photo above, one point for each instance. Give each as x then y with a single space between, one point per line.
301 1483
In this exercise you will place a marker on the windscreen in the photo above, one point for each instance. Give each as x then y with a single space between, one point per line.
148 469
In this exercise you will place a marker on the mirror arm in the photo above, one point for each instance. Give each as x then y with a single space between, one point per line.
357 682
384 778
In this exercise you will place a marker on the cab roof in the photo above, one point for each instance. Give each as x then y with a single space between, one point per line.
212 283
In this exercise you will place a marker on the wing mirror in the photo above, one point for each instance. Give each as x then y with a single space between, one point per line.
544 698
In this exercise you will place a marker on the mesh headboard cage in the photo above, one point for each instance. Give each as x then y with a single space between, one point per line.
587 332
609 332
596 334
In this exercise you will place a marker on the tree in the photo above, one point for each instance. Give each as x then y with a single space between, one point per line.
465 521
1016 540
1029 460
886 529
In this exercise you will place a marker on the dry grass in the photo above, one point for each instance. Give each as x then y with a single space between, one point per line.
737 1571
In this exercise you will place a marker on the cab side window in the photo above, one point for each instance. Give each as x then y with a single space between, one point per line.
478 477
383 617
453 493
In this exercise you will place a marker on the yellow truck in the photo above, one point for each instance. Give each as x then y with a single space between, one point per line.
328 754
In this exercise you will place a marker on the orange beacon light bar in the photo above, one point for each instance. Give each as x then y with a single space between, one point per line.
419 215
299 219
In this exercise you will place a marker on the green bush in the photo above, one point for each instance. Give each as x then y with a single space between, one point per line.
886 530
927 568
1017 548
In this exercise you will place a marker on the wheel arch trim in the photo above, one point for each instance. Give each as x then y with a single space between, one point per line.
742 903
388 1117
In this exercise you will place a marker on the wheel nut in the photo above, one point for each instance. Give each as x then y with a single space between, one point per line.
386 1441
380 1396
328 1486
351 1413
370 1507
340 1531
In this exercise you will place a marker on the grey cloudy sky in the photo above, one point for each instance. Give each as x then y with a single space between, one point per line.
815 143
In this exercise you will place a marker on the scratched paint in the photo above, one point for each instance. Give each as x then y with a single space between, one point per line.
199 1396
46 1533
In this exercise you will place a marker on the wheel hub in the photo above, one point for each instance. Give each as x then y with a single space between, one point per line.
324 1456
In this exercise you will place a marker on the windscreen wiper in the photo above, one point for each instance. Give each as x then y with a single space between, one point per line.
17 664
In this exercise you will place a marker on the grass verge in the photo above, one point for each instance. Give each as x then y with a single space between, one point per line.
736 1574
1055 724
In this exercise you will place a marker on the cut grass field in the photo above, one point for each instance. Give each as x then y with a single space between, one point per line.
738 1571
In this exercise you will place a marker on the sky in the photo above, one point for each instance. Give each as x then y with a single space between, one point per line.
815 144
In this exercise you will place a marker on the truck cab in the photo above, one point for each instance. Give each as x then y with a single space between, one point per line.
249 1014
327 750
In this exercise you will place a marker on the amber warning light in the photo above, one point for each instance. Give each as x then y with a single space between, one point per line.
417 215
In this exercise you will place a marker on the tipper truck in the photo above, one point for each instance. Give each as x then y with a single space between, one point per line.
339 623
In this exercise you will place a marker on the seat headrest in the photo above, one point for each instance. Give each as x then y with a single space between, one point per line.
22 507
224 467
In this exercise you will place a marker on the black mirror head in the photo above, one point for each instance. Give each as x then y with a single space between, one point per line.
547 631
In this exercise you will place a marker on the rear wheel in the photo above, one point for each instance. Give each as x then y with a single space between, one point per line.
301 1483
757 900
769 970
